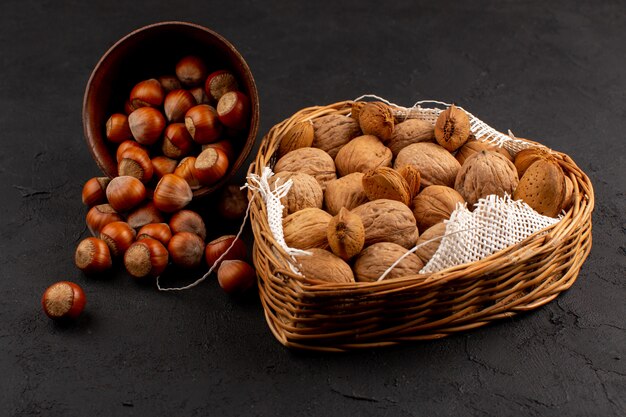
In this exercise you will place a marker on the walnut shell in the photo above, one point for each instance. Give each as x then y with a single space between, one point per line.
543 187
388 221
323 266
412 177
435 165
486 173
376 119
434 205
452 128
408 132
428 250
527 157
385 182
472 146
333 131
375 259
298 136
355 109
305 191
345 192
346 234
311 161
306 228
362 154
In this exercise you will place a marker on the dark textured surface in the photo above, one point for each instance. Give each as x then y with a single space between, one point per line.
551 72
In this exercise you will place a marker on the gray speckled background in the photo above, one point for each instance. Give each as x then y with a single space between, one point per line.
551 71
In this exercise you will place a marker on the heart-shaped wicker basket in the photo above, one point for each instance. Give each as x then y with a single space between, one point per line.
336 317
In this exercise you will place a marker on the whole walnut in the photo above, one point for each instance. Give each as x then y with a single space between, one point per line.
305 191
388 221
483 174
362 154
408 132
333 131
306 229
324 266
435 165
428 250
472 146
298 136
434 205
345 192
374 260
311 161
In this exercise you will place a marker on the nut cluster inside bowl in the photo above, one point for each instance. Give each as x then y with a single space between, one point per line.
162 87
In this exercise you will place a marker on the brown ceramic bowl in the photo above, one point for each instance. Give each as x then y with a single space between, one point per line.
149 52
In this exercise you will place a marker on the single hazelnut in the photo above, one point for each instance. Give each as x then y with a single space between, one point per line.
186 250
92 256
236 276
125 192
146 125
169 83
172 193
163 165
233 110
117 128
210 166
99 216
191 71
118 236
135 162
177 141
158 231
219 83
185 170
145 214
146 258
176 104
63 299
233 202
188 221
235 247
148 93
203 124
94 191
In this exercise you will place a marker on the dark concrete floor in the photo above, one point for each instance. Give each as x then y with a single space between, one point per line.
552 71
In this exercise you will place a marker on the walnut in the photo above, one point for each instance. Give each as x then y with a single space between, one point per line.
434 205
306 228
472 146
333 131
376 119
345 192
385 182
362 154
485 173
435 165
388 221
543 187
377 258
409 132
346 234
428 250
305 191
311 161
298 136
323 266
452 128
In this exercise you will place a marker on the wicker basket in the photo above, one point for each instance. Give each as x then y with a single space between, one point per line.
336 317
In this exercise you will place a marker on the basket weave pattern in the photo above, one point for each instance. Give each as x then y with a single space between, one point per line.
334 317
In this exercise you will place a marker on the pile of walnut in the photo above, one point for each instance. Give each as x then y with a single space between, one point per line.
368 187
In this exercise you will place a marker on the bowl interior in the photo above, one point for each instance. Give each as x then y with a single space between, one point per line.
150 52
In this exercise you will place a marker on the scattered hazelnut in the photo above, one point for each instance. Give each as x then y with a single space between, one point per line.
63 299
